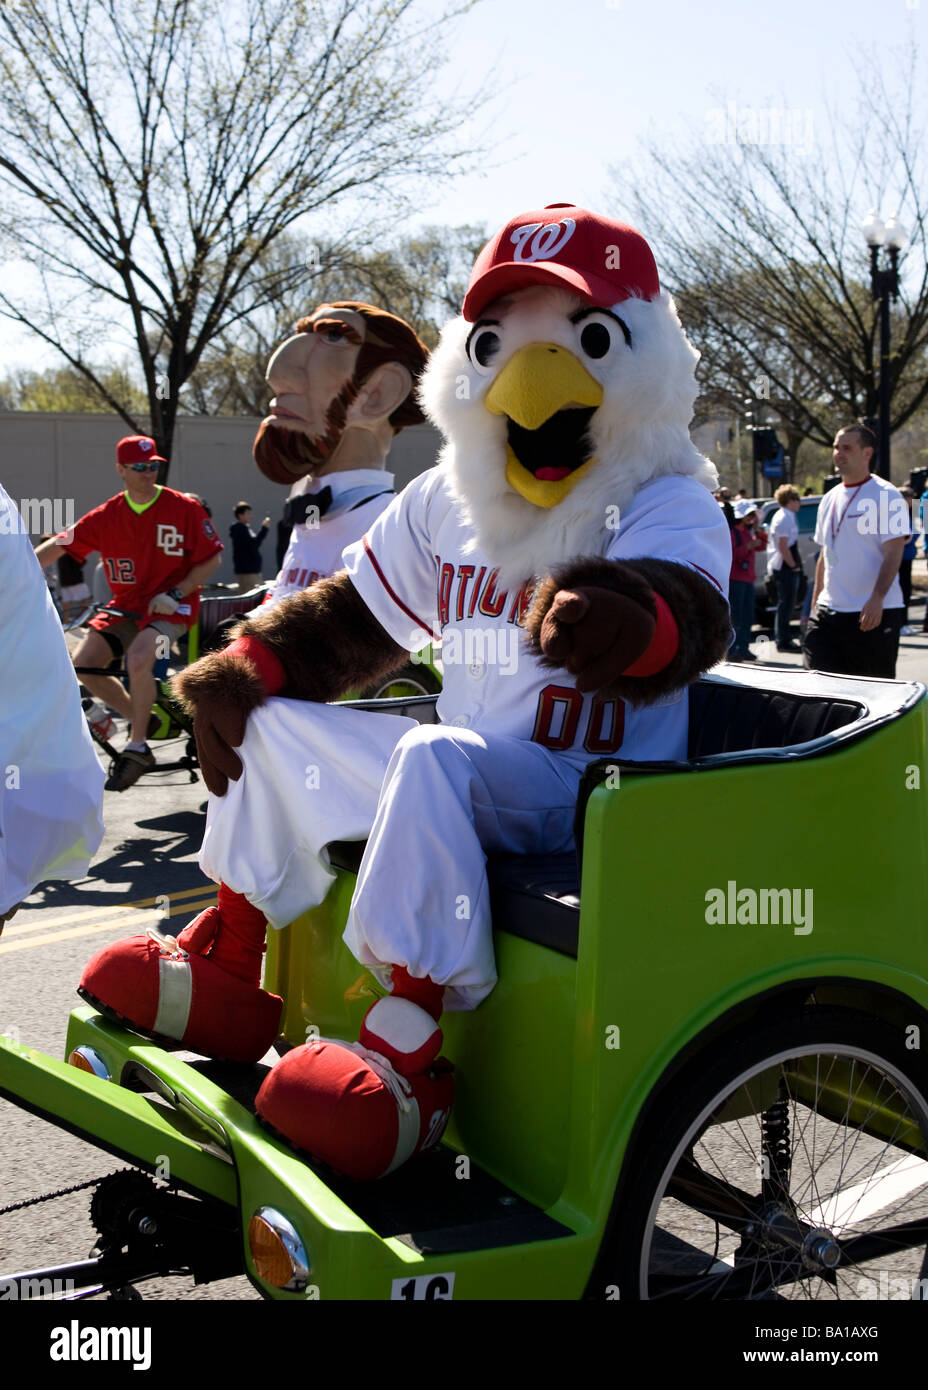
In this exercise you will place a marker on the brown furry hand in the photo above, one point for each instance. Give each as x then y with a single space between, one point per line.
595 633
220 691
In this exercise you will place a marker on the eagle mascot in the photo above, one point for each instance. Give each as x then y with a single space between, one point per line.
569 555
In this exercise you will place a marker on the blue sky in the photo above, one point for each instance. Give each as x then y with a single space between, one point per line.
581 82
586 80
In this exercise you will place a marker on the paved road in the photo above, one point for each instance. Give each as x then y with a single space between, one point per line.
148 856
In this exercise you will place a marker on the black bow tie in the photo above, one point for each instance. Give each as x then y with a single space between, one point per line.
297 508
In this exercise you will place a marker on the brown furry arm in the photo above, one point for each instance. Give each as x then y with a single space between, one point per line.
699 610
327 640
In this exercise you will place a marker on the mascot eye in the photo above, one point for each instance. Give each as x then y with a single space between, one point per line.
482 347
595 339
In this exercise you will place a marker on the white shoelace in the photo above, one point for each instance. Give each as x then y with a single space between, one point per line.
397 1085
167 943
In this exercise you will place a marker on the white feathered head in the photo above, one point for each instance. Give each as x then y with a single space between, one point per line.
566 385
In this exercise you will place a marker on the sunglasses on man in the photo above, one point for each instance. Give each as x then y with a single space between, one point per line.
143 467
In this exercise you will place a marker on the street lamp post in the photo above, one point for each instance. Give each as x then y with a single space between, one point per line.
884 286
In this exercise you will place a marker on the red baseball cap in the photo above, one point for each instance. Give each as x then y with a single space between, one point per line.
598 258
138 448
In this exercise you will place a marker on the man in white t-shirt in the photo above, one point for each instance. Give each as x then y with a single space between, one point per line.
857 607
782 564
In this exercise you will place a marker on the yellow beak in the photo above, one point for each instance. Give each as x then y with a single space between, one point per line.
537 382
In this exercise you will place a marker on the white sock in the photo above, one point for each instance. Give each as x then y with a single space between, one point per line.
137 747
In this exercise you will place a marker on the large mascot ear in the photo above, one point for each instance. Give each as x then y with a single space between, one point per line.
382 391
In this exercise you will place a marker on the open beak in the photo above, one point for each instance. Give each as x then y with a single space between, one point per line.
548 398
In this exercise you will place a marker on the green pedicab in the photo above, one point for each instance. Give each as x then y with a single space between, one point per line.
699 1077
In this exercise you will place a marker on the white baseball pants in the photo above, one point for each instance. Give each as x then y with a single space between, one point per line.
431 799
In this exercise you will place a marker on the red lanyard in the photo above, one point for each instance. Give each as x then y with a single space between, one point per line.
836 532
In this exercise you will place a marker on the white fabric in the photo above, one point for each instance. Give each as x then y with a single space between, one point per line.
413 572
315 551
313 773
401 1024
783 527
51 782
175 995
852 526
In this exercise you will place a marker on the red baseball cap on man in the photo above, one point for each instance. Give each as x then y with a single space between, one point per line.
138 448
602 260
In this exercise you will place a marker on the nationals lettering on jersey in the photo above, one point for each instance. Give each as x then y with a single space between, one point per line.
415 574
146 553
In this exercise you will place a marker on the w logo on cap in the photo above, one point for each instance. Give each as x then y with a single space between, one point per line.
145 445
546 239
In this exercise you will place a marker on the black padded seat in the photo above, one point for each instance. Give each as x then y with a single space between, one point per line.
725 718
216 610
536 897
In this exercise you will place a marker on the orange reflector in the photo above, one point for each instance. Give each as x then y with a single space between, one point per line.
271 1257
77 1059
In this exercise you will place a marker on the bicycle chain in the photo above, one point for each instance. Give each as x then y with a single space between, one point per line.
62 1192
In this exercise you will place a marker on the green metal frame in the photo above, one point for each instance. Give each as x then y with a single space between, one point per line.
555 1067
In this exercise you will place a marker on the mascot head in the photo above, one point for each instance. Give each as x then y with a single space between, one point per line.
349 367
565 386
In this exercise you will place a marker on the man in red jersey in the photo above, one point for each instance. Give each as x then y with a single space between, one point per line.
158 546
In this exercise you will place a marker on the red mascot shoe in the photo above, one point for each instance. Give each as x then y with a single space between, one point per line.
365 1108
212 1003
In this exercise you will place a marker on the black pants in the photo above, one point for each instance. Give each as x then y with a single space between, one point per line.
787 582
905 584
834 642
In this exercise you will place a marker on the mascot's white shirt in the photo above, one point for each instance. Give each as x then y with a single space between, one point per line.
411 570
359 495
51 792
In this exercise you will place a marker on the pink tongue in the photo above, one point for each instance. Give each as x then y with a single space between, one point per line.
551 475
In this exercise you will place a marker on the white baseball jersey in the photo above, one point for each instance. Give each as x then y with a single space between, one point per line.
852 526
359 495
51 793
411 570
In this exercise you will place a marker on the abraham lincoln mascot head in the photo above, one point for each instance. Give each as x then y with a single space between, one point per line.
343 386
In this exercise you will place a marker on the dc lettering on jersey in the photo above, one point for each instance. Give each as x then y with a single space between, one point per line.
467 590
169 540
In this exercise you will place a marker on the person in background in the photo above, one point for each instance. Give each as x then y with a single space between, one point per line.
781 563
746 540
158 547
723 497
905 564
73 589
862 527
246 548
195 497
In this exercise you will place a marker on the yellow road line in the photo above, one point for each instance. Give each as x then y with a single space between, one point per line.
95 914
134 919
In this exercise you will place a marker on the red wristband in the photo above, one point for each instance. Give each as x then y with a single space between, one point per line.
270 668
663 646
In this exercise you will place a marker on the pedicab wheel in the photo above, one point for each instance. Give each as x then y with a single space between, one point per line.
412 680
789 1163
